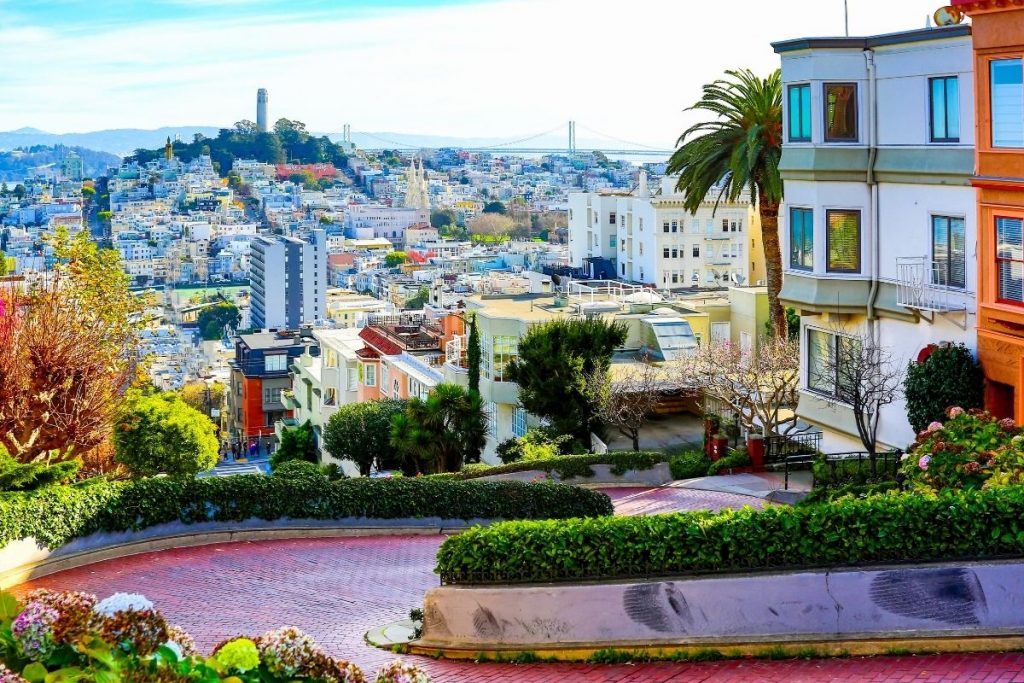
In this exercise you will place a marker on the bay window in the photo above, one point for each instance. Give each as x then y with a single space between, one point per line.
949 252
841 112
801 239
1010 259
826 373
1007 102
800 113
842 241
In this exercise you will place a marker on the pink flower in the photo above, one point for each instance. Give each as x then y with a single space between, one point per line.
955 411
923 462
1007 423
934 427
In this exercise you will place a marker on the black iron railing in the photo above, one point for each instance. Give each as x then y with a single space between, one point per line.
778 448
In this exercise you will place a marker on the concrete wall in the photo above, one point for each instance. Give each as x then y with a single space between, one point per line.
973 599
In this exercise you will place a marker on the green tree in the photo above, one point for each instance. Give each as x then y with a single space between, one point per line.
443 431
361 433
949 376
3 263
105 215
473 353
440 218
739 151
554 367
297 443
495 207
212 320
161 434
19 191
418 301
88 193
396 258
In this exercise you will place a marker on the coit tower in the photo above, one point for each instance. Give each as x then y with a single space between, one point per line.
261 109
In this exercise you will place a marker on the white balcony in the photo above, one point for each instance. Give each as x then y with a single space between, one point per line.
923 285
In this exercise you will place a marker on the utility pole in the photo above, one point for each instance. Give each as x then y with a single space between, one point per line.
846 16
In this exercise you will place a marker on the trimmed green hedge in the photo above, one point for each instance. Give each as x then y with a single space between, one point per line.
886 528
570 465
57 515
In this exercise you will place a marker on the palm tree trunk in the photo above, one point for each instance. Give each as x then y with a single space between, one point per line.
773 262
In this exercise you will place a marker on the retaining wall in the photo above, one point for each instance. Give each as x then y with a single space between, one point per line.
930 601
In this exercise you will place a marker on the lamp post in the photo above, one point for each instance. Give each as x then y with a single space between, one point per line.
846 16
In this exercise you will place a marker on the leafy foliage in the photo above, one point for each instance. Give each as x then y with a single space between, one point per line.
58 514
202 396
735 459
536 444
15 476
418 300
395 258
213 320
473 354
570 466
443 431
949 376
161 434
556 361
970 450
689 465
736 152
881 529
361 432
297 443
69 353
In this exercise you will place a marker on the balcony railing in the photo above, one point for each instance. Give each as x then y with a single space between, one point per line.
923 285
455 353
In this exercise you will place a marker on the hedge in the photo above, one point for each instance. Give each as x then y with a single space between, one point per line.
57 515
890 528
567 466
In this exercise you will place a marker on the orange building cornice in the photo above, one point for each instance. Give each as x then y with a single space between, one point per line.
986 6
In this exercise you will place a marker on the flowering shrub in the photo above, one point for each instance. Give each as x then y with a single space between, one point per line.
970 450
64 637
401 672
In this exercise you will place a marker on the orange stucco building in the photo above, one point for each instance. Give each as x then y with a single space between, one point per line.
998 30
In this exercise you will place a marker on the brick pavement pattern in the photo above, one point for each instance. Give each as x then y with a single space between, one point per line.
337 589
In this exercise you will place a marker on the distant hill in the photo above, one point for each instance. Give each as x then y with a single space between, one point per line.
21 163
119 141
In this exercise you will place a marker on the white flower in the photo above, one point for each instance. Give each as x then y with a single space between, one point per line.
123 602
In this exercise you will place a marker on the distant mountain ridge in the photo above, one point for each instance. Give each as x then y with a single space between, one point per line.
47 160
124 141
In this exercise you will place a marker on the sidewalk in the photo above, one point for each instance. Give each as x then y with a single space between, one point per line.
765 485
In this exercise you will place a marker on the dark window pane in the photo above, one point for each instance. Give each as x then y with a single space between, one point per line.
840 112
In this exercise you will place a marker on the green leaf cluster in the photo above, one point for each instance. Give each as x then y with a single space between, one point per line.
297 443
443 431
888 528
58 514
689 465
554 368
361 433
949 376
161 434
212 320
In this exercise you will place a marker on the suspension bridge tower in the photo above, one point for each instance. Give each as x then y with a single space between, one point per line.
572 138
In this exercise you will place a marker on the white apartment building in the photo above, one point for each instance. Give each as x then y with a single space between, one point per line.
368 221
878 230
288 280
650 238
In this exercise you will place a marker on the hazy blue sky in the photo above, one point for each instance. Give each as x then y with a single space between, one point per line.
499 68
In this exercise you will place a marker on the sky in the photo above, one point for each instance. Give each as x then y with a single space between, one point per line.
490 68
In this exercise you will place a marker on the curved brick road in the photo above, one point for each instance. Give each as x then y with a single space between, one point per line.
337 589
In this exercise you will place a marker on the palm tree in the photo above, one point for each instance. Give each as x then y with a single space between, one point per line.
443 431
739 151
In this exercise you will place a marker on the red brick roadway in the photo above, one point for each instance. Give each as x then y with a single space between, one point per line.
337 589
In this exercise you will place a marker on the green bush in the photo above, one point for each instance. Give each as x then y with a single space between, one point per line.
736 459
297 443
15 476
853 471
689 465
56 515
950 376
883 529
824 495
161 434
567 466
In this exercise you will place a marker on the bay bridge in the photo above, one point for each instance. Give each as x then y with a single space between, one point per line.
616 147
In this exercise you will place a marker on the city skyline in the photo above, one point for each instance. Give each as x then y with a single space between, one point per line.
408 66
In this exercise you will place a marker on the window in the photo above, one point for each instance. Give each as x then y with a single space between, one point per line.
949 252
272 395
840 112
664 226
330 396
1007 102
944 98
842 241
695 227
675 226
395 393
519 422
504 349
385 371
641 248
1010 258
491 412
800 113
331 358
801 239
353 379
725 225
664 252
675 253
277 362
611 240
675 278
369 374
611 218
826 373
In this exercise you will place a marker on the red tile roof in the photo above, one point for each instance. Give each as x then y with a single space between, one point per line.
367 352
379 341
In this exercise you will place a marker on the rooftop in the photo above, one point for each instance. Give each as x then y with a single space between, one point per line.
866 42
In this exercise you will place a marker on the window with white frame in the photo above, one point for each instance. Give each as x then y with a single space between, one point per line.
503 350
519 422
353 379
385 373
369 374
491 412
276 362
825 354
